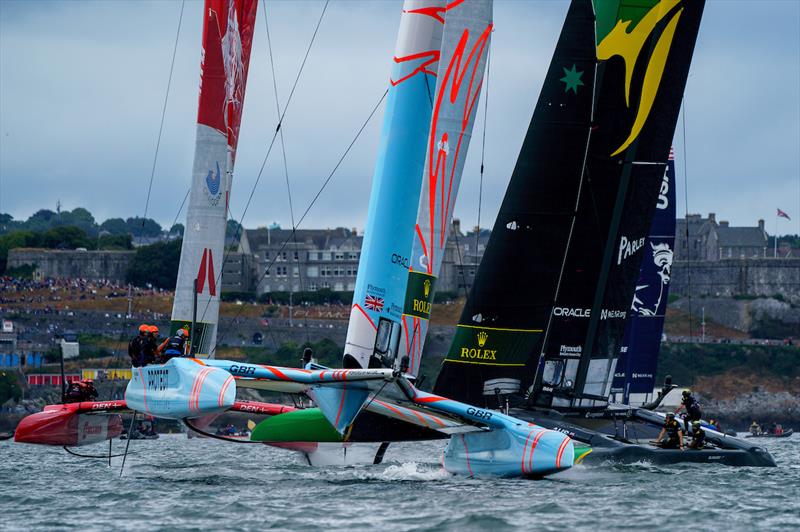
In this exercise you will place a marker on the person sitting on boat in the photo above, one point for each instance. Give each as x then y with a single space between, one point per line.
698 436
755 428
89 391
692 406
673 433
175 346
136 346
79 391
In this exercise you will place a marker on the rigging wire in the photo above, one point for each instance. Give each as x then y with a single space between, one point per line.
295 254
460 263
237 236
163 112
686 224
483 148
316 197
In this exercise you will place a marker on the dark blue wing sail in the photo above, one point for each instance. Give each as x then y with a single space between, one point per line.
638 359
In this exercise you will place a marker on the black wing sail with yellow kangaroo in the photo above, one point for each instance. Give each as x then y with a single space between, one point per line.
558 276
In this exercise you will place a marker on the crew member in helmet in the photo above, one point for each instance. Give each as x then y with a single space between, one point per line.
693 412
79 391
698 436
151 345
175 346
136 346
308 357
672 432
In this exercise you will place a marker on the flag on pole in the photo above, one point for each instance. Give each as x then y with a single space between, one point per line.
783 214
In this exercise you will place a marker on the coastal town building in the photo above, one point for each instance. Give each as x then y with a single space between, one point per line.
712 240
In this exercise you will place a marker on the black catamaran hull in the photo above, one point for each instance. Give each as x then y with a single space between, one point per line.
625 437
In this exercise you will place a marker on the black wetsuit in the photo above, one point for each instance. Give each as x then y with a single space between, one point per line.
150 349
673 441
693 412
136 350
698 439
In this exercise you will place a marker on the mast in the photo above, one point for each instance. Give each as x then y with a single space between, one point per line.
638 357
375 328
465 47
227 40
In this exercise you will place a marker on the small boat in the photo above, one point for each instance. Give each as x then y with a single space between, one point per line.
6 435
785 434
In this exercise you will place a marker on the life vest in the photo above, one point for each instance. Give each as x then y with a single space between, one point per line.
175 346
672 428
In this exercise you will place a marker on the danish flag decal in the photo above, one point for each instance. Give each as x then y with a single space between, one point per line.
207 272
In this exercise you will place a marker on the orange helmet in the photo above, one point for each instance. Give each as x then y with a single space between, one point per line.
88 381
143 328
153 329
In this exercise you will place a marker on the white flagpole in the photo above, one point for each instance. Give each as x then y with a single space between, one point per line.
776 234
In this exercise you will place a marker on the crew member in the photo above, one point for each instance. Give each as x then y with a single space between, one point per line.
90 392
698 436
79 391
136 346
755 428
673 433
308 357
693 412
151 345
175 346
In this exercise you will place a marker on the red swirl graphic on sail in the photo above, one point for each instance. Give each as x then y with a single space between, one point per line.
227 40
440 188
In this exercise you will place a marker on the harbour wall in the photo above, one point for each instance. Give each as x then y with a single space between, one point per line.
738 277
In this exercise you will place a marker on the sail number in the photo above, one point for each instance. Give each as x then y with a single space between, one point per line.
480 414
242 370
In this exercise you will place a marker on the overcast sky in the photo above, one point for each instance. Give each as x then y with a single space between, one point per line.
82 86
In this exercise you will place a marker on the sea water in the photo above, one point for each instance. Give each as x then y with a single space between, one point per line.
178 484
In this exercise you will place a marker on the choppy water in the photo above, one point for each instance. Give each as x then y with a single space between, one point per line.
179 484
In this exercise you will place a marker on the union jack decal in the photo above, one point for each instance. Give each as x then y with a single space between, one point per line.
374 303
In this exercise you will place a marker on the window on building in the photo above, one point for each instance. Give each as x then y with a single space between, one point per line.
338 256
312 271
352 255
296 256
338 287
312 287
326 255
326 284
295 272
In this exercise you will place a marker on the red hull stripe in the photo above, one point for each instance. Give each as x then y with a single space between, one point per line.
561 451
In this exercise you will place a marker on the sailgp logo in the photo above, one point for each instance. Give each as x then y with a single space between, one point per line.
213 185
628 248
629 44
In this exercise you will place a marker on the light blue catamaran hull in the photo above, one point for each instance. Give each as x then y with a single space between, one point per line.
181 388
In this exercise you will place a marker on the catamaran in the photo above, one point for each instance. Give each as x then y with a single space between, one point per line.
545 321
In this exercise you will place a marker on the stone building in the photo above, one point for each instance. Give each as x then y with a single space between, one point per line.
712 240
271 259
78 263
308 260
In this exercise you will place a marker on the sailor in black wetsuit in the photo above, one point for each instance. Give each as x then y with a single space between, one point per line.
136 346
672 431
698 436
693 412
